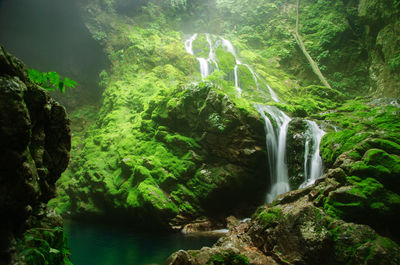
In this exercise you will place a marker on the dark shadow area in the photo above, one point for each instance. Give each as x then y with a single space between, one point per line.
49 35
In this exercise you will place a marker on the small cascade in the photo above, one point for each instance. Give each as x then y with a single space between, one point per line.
272 93
189 44
211 54
276 148
235 71
255 78
204 68
313 167
208 64
204 71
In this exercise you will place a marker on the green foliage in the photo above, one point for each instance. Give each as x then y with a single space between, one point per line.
51 80
104 78
395 62
357 121
100 35
217 122
178 3
42 246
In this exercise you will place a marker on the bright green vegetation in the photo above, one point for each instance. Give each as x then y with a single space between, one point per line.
44 246
160 146
51 80
268 216
228 259
361 199
367 150
165 147
357 121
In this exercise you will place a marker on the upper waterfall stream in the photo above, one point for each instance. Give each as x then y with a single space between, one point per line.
276 121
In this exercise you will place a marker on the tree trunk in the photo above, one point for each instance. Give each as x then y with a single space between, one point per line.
313 64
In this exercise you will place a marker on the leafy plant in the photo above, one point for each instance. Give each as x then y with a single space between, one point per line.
43 246
51 80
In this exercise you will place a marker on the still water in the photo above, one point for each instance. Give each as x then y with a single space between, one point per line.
94 244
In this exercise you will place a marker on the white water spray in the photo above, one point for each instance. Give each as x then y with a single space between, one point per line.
313 167
276 148
272 94
189 44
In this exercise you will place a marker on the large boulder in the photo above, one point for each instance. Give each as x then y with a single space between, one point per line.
35 143
193 153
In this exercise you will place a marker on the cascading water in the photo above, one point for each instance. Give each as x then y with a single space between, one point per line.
272 93
276 148
206 64
275 137
313 166
203 67
189 44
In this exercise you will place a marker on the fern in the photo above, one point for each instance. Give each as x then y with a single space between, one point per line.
50 80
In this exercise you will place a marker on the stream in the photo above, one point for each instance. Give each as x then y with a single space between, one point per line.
105 244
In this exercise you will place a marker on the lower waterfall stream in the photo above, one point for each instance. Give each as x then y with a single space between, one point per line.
276 123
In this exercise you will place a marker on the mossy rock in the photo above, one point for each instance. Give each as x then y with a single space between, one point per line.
226 60
365 201
228 258
359 244
268 217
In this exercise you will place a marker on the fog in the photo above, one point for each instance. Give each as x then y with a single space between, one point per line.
49 35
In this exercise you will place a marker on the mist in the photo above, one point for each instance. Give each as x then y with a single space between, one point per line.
51 36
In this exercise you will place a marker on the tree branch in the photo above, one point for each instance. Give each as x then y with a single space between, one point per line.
313 64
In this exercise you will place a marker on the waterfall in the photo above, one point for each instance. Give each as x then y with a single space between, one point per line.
276 122
272 93
211 54
206 63
203 67
313 167
189 44
276 148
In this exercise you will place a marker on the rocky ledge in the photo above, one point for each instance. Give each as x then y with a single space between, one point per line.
35 143
349 216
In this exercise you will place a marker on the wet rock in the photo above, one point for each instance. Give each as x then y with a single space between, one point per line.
296 139
35 144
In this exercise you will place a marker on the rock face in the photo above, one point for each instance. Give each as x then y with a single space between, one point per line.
35 144
349 216
382 22
296 140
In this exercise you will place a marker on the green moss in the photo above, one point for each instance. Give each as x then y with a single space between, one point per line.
377 157
366 201
150 194
201 48
227 258
226 61
268 216
335 143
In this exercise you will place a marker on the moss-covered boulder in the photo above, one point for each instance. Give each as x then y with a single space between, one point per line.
194 152
297 229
